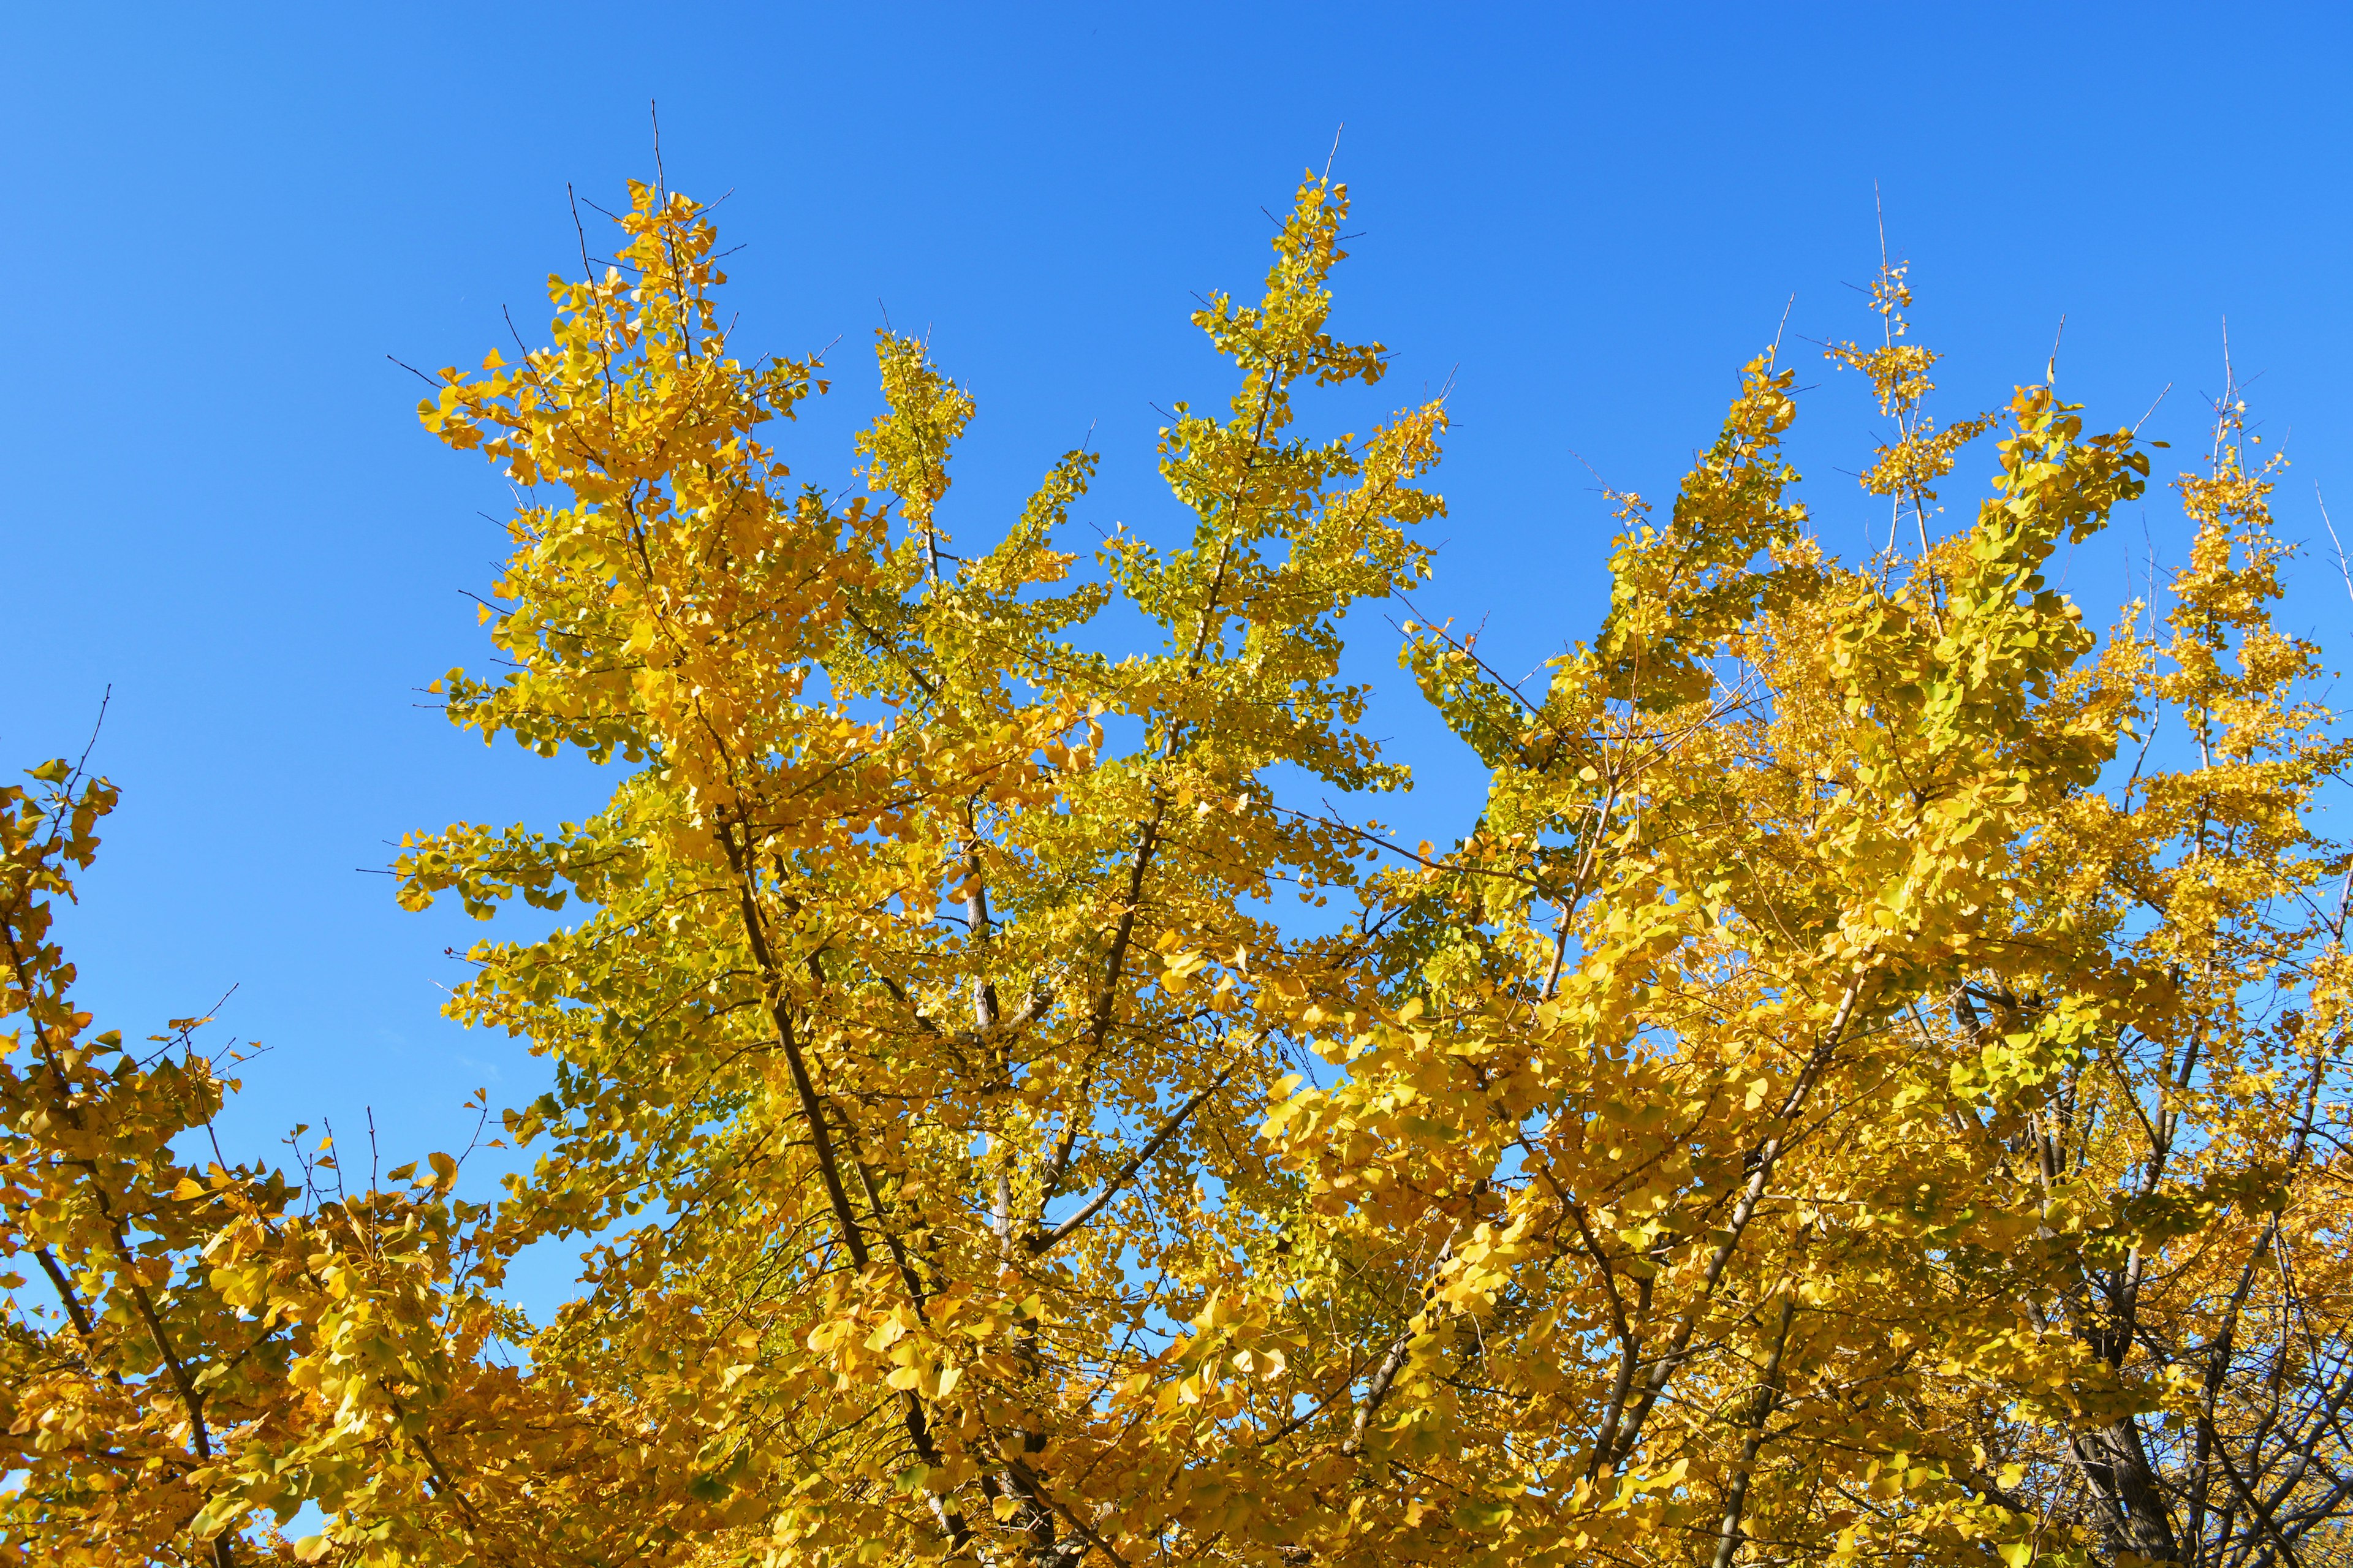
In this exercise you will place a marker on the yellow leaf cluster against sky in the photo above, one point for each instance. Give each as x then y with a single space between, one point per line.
1867 1081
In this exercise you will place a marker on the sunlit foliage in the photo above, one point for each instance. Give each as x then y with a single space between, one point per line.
1867 1086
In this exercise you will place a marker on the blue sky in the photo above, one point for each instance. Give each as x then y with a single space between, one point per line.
1586 217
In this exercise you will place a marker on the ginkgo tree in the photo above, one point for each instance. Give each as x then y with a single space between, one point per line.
1867 1085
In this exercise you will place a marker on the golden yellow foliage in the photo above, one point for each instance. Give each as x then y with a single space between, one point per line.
1845 1099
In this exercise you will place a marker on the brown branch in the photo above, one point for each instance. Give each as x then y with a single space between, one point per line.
918 1425
1392 1362
1043 1240
1761 1161
74 1308
1768 1395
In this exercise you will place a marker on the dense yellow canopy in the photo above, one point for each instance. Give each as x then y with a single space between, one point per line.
1855 1094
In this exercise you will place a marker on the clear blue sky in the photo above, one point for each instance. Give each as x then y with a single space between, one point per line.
218 501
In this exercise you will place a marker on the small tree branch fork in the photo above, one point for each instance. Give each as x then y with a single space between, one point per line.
812 1107
220 1548
1044 1240
1760 1163
1400 1351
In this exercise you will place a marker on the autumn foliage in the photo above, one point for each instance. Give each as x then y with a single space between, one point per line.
1867 1086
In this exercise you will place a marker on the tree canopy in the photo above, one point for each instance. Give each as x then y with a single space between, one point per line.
1853 1094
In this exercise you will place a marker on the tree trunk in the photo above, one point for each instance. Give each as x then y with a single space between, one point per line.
2137 1519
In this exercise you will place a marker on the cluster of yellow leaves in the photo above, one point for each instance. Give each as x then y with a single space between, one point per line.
1835 1103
